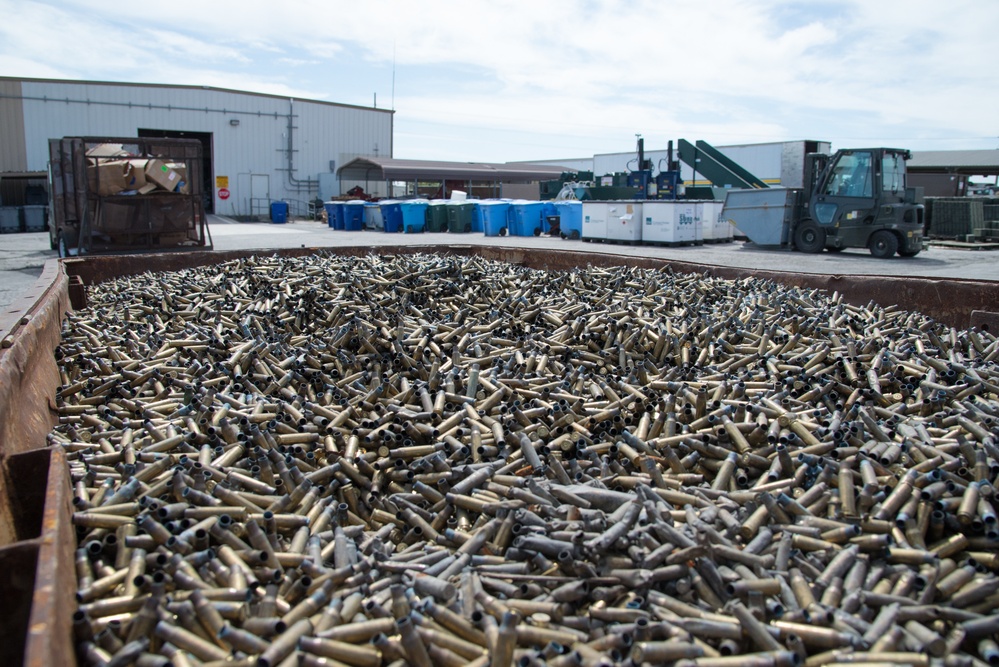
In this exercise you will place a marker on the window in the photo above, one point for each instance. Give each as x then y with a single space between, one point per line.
852 176
894 172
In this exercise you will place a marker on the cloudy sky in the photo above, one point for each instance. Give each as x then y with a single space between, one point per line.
516 80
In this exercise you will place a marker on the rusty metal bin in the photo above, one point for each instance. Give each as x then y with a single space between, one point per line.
37 539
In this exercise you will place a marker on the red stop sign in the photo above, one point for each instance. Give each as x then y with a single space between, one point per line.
223 193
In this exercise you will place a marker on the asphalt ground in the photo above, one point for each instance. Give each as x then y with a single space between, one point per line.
23 255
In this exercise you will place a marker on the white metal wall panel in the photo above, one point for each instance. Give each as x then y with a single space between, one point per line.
246 152
762 160
793 162
612 163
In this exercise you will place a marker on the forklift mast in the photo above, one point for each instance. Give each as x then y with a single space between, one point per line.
815 165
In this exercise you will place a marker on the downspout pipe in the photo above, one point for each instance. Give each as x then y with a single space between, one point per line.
296 184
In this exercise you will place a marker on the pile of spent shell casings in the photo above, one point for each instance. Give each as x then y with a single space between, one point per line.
435 460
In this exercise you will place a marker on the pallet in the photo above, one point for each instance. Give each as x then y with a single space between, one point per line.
671 244
716 241
963 245
965 238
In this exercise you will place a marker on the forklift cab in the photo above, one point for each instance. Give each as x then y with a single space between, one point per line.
858 199
852 175
849 184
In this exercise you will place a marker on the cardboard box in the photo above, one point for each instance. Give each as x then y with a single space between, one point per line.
137 177
185 185
162 175
109 177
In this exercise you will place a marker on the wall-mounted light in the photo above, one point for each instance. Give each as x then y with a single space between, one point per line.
234 122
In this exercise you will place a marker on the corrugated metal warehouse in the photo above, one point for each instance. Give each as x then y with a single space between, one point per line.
258 147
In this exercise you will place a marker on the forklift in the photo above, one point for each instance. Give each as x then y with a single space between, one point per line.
857 198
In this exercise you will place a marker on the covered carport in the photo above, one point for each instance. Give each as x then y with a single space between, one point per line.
389 177
946 173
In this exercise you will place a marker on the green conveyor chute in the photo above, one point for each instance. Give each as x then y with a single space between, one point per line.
715 166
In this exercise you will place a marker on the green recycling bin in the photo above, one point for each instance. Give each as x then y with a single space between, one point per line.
437 216
459 216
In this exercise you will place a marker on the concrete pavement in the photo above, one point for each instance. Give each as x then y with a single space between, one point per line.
22 255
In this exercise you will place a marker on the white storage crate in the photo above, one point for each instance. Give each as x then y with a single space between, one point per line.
624 221
669 222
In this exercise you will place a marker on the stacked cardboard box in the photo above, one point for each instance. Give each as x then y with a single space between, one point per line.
184 186
111 171
108 178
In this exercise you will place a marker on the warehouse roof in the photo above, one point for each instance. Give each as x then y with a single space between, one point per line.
976 163
388 169
133 84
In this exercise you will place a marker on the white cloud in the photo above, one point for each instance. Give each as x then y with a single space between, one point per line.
507 79
29 68
177 45
297 62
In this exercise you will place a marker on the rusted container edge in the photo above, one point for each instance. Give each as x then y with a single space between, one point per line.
17 315
50 630
29 378
949 300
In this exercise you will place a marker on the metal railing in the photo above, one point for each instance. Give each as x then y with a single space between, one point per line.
261 207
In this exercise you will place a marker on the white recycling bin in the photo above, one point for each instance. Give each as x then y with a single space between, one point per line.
624 221
595 220
671 222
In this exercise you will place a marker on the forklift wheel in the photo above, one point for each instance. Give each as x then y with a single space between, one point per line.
809 237
883 244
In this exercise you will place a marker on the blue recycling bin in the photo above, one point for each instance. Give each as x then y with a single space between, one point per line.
337 219
477 224
414 215
526 218
330 213
391 216
570 215
279 212
494 217
353 216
